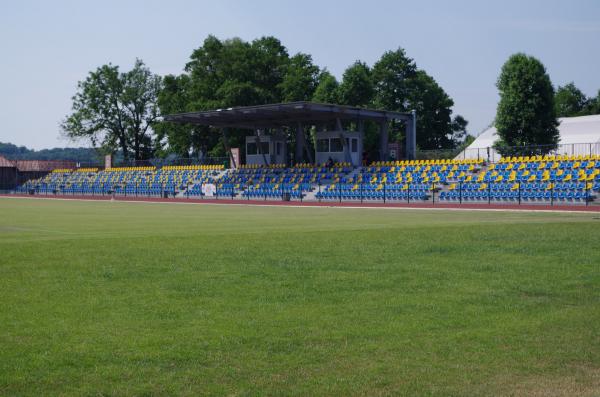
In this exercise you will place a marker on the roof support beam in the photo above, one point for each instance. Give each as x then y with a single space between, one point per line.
383 141
228 149
411 136
299 143
259 146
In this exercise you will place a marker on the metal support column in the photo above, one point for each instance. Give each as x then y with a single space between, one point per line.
345 146
259 147
299 157
383 141
411 137
232 163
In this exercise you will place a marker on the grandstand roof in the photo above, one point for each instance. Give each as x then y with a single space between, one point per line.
283 114
573 130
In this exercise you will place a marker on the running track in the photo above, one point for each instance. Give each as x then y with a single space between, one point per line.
224 201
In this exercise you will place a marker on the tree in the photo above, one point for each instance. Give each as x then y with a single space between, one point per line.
116 110
434 112
327 90
356 88
174 98
526 115
459 131
592 106
393 75
569 101
83 155
230 73
236 73
400 86
300 80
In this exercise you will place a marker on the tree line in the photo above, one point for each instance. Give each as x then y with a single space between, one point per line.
14 152
120 111
117 110
570 101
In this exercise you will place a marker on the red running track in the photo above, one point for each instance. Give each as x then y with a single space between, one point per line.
477 206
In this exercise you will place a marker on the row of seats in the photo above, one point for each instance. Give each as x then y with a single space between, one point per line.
549 157
371 195
426 162
530 178
203 167
126 181
512 195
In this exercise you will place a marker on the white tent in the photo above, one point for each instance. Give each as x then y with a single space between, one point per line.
578 135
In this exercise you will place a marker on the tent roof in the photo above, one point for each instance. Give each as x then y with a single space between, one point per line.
573 130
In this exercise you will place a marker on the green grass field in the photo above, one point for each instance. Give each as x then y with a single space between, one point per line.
119 299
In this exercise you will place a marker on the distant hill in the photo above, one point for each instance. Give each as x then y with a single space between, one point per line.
14 152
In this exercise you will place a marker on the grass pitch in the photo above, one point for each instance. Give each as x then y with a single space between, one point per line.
112 298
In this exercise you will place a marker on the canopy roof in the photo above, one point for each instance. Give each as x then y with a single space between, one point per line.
283 114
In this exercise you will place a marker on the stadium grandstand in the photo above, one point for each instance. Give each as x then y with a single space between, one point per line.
535 179
331 173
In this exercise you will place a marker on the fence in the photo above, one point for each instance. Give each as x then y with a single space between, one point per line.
157 162
513 192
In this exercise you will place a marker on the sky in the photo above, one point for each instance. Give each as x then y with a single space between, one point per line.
48 46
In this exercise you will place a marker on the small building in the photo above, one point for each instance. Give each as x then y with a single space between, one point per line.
340 146
266 149
16 172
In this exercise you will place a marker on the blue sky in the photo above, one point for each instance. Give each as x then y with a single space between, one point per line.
47 46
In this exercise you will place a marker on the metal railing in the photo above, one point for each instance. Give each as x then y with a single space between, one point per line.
511 192
157 162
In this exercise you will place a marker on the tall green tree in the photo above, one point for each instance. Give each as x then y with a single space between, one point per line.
356 88
592 106
435 129
174 98
327 91
300 80
237 73
526 115
115 110
393 78
569 101
400 86
230 73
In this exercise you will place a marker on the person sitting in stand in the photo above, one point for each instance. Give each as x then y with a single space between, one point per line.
329 163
